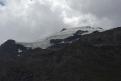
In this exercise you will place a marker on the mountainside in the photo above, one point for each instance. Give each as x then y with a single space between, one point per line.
81 56
65 35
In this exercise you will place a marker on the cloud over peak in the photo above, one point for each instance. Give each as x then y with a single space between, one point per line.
31 20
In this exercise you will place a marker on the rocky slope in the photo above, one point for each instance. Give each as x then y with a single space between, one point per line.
91 57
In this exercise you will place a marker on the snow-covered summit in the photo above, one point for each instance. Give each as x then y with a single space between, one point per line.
64 33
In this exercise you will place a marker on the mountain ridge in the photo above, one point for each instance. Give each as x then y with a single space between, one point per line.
66 33
93 57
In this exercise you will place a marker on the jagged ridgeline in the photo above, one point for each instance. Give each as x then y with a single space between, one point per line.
77 54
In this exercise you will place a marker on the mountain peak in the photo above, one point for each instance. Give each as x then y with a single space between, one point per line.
63 34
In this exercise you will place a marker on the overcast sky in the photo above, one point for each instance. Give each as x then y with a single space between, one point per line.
31 20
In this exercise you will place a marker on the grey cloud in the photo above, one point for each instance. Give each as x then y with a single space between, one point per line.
109 9
37 22
31 20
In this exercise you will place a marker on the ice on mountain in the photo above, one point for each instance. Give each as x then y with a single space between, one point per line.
64 33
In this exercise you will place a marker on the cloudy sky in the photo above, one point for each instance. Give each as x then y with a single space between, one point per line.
31 20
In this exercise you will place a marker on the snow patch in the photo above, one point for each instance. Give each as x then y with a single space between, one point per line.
20 51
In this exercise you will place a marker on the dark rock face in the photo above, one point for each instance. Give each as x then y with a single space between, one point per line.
79 32
63 29
56 41
10 48
109 37
93 57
